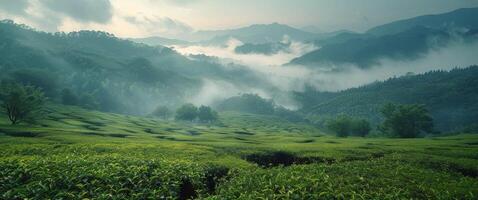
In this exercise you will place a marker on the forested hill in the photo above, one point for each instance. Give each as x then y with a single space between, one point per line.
450 96
99 71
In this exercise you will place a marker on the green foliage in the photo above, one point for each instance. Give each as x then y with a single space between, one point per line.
207 114
187 112
21 103
289 115
406 121
345 126
340 125
163 112
248 103
361 127
42 79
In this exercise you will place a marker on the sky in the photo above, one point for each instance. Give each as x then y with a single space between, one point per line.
141 18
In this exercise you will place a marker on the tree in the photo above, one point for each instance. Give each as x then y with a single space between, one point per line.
187 112
360 127
206 114
21 103
406 121
344 126
341 125
162 112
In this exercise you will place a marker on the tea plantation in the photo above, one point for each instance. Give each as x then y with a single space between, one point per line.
79 154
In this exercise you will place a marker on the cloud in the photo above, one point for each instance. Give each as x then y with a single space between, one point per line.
285 79
155 25
182 2
227 51
15 7
98 11
457 54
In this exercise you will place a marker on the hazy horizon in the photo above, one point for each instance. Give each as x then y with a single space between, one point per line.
168 18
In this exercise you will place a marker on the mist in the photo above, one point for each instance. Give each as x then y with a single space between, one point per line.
287 78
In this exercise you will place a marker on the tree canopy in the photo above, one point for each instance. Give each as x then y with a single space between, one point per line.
21 103
187 112
406 121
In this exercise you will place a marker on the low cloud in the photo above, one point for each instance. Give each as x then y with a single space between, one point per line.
295 78
182 2
227 51
15 7
98 11
457 54
159 26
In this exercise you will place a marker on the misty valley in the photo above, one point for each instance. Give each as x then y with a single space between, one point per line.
99 100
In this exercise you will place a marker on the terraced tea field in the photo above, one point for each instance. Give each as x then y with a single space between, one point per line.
79 154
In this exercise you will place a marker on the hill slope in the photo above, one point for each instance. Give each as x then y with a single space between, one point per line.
79 154
461 18
450 97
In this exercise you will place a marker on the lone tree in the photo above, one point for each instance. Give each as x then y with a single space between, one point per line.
406 121
21 103
162 112
187 112
206 114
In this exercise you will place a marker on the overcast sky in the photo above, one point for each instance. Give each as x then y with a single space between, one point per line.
138 18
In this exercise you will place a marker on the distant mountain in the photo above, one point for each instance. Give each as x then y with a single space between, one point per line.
159 41
253 34
365 51
402 40
465 18
256 34
450 97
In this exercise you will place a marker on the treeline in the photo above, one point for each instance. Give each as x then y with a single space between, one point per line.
187 112
404 121
450 96
253 103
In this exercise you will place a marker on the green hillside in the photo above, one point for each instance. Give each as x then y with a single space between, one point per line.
450 97
77 154
107 73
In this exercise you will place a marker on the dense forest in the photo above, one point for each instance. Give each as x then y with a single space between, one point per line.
97 70
450 96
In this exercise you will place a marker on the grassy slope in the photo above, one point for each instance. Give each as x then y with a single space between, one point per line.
76 154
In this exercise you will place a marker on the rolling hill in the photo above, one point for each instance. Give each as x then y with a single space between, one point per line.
449 96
